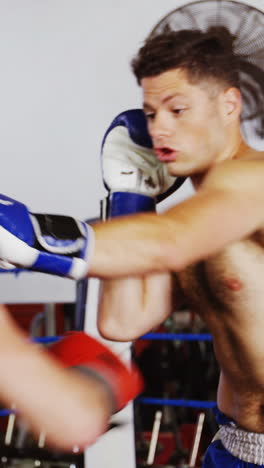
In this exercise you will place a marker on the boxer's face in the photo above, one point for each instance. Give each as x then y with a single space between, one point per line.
188 123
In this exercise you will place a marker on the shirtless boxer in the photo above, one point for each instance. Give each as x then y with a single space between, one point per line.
212 241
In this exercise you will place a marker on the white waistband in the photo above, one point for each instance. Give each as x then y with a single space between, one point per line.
247 446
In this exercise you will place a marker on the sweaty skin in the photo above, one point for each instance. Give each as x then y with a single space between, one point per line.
214 241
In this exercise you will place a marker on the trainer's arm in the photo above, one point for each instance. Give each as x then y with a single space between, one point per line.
228 207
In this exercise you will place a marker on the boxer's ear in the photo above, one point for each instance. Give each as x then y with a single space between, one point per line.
231 104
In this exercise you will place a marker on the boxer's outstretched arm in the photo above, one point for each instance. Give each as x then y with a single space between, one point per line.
228 207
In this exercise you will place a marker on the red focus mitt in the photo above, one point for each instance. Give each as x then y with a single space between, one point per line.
88 355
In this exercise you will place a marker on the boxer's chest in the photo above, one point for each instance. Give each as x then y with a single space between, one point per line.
230 281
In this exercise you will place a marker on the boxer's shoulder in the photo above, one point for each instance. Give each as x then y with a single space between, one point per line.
242 173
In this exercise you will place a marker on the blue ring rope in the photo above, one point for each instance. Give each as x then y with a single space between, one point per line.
178 336
183 403
46 339
155 401
6 412
148 336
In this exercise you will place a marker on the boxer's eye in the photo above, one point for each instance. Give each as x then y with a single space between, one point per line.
150 115
178 111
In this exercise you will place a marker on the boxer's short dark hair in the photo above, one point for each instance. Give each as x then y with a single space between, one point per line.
202 55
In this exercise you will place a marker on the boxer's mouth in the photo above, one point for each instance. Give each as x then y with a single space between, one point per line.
165 154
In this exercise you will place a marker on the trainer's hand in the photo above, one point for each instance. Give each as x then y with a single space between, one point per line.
71 406
59 245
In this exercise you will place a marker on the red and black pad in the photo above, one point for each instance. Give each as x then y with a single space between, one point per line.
79 350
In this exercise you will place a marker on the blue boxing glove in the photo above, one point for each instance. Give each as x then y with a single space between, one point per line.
135 178
59 245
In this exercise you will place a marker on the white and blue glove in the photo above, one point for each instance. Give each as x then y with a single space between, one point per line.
133 175
59 245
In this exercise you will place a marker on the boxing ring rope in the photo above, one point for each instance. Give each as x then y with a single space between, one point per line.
155 401
147 336
178 336
182 402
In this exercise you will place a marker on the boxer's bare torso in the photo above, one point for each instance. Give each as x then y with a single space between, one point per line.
226 290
